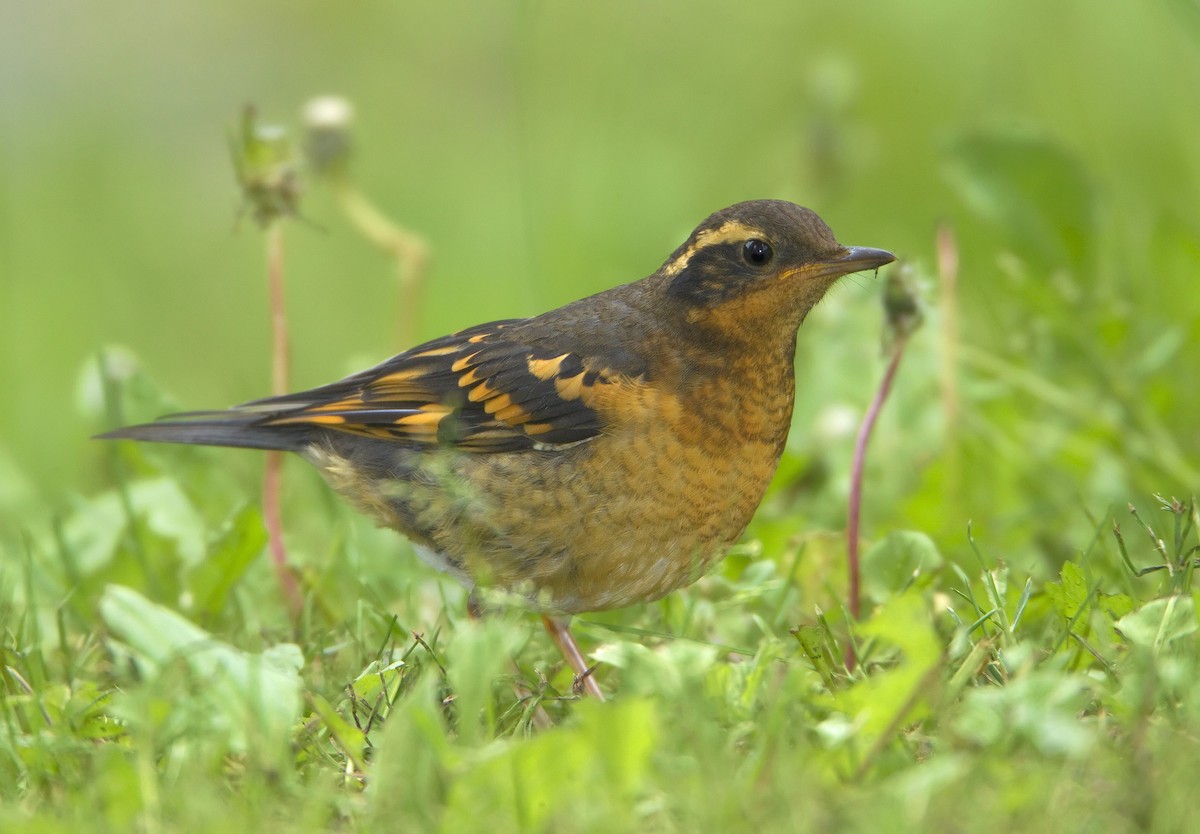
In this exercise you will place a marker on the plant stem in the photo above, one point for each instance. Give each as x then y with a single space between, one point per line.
406 248
856 478
272 476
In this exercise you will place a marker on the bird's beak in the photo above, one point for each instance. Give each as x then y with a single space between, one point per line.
853 259
849 259
824 272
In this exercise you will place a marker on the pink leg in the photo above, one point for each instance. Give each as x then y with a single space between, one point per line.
560 632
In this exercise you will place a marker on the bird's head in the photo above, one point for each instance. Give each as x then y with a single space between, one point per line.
759 265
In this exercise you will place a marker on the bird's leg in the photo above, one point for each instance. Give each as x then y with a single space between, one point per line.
560 632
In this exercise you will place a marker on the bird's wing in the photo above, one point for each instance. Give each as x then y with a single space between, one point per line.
483 390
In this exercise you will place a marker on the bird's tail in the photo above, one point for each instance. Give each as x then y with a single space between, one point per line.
244 429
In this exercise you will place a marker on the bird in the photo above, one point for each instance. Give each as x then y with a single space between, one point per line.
601 454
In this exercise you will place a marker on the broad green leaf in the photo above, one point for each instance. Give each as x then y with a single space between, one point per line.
1114 607
587 776
211 581
379 681
885 698
671 667
94 529
896 560
1069 594
252 696
1041 709
1160 623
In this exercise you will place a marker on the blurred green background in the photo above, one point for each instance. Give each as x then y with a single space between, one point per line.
550 150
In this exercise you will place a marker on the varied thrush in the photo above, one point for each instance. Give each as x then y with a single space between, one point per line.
598 455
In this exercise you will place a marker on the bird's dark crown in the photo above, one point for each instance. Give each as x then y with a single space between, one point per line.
738 247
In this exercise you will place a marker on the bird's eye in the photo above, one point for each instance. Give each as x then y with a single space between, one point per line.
757 252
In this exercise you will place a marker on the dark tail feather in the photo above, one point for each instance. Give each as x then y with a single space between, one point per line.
217 429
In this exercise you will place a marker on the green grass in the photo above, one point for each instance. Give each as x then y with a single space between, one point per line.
1020 671
986 699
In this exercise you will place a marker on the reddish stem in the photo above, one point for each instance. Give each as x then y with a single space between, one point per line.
272 476
856 479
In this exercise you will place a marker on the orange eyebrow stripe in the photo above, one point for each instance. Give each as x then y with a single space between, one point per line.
731 230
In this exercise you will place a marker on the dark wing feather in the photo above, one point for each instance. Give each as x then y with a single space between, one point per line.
479 390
